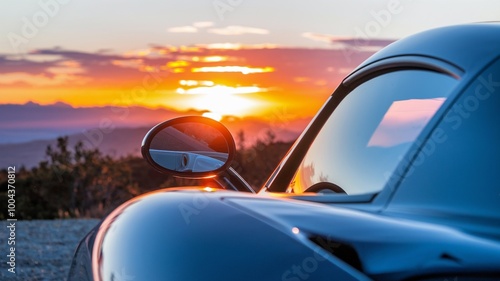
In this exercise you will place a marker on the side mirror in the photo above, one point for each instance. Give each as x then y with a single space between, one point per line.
189 147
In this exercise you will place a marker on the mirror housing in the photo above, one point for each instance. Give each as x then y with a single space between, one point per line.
189 147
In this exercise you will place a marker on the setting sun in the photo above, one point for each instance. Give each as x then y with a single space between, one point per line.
225 104
219 100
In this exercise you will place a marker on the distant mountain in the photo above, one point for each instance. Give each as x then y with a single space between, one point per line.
120 142
31 121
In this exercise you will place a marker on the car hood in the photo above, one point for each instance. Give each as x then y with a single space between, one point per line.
201 233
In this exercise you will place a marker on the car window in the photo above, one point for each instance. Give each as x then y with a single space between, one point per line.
368 133
459 171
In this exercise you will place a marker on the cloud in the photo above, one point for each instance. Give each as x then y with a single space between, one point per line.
221 90
229 68
10 64
41 79
203 24
118 69
191 28
320 37
237 30
183 29
75 68
115 73
135 64
361 44
66 67
78 56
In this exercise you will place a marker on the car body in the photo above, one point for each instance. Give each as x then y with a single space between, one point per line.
395 178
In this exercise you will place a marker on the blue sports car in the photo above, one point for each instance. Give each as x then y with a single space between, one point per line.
396 178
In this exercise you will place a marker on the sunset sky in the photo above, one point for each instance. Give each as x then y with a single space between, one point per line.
224 57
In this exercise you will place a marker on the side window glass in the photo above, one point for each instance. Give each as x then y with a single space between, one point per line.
458 168
367 135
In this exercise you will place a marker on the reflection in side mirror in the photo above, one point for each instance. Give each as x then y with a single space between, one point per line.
190 147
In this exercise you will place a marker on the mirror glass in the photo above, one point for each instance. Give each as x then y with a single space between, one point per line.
189 147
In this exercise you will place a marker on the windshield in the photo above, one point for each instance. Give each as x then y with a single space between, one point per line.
370 131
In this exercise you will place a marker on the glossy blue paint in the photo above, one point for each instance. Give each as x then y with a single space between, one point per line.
437 220
200 235
467 46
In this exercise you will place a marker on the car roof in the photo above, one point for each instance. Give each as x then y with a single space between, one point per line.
467 46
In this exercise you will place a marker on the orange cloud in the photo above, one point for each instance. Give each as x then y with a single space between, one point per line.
221 90
240 69
42 79
298 80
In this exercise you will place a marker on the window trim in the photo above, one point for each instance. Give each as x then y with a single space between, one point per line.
401 63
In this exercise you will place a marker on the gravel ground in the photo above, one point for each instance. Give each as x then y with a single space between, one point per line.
44 248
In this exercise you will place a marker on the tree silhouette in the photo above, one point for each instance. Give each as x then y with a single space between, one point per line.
82 182
76 182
